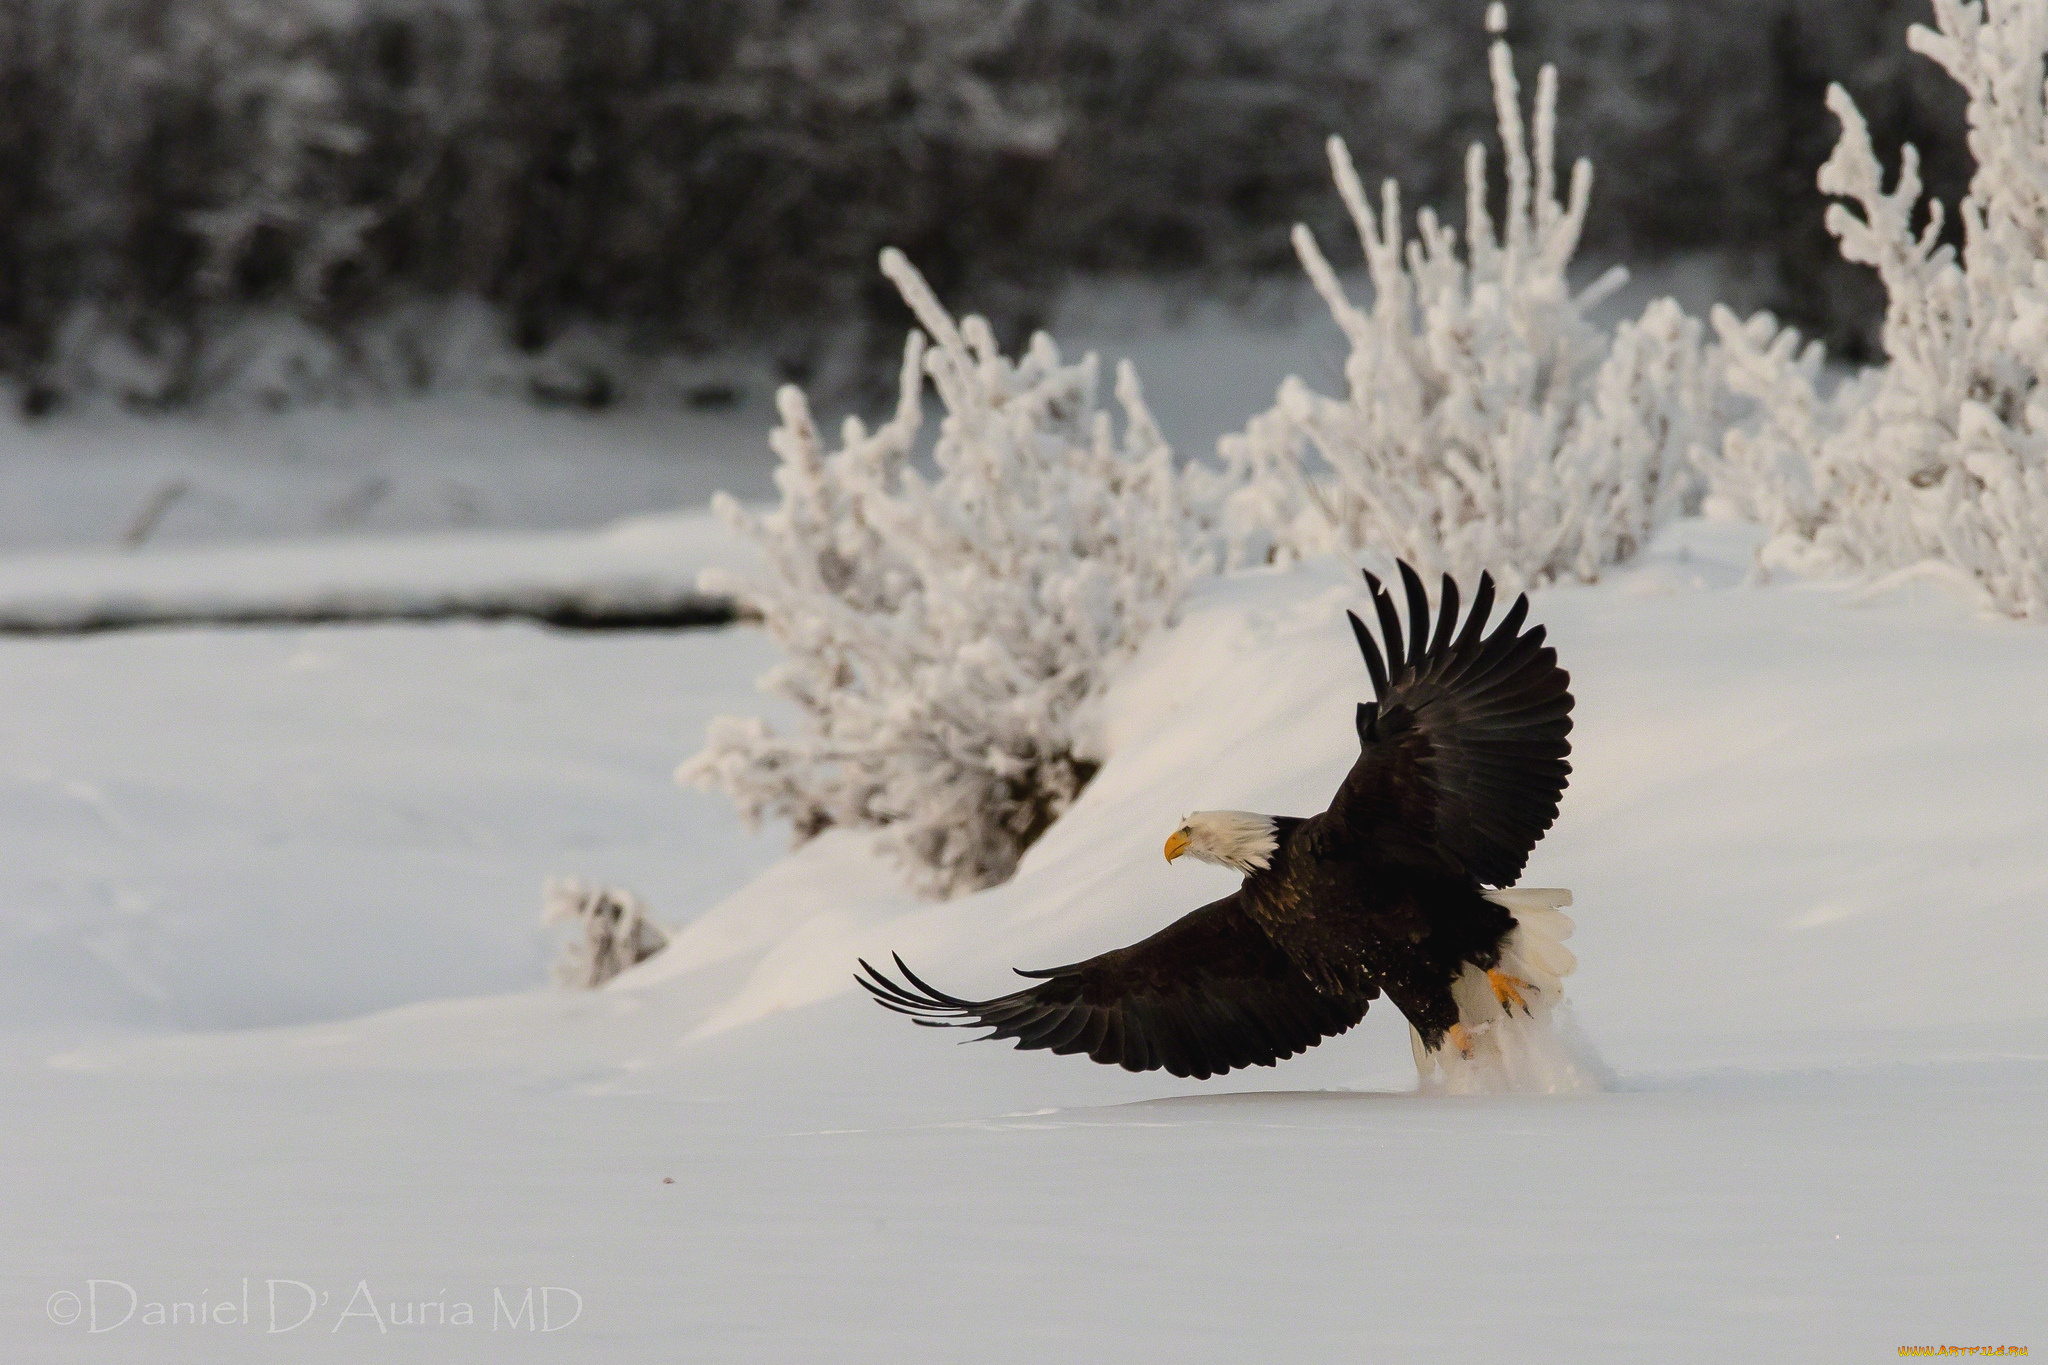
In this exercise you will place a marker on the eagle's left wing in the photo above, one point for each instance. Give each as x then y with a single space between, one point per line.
1462 754
1207 994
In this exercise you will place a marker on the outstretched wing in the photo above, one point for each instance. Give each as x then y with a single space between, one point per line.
1205 995
1463 752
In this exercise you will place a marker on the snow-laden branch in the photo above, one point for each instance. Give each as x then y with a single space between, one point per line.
950 634
1488 423
1939 455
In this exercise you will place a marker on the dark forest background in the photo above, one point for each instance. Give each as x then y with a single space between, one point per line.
698 174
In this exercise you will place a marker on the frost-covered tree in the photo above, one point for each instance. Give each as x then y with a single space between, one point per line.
1943 453
276 195
616 932
290 126
1488 424
950 633
193 160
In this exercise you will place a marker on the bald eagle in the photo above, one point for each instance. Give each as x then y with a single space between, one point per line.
1396 888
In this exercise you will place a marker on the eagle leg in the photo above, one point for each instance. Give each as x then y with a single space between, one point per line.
1508 990
1460 1038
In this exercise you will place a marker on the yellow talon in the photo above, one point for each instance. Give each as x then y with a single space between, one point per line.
1508 990
1460 1039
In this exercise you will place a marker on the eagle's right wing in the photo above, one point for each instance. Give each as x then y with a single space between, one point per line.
1463 751
1207 994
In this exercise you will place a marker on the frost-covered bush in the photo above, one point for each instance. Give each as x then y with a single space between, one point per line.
1943 454
949 633
1489 423
616 932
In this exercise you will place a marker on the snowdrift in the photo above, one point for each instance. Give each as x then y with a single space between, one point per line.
1801 821
1792 810
1246 705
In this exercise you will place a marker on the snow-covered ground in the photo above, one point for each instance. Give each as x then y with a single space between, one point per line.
218 829
1806 830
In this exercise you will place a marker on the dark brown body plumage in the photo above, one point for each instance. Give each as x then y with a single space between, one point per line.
1461 765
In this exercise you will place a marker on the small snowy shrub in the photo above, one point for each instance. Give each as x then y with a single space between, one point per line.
1488 424
616 932
1940 455
949 635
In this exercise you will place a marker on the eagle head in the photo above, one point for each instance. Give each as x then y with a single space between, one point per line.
1228 838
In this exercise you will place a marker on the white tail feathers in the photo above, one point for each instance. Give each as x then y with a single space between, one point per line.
1529 1048
1519 898
1535 951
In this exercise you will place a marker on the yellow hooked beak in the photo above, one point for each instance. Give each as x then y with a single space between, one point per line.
1176 844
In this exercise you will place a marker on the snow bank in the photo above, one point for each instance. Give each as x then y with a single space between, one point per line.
1794 810
1214 714
648 565
1780 796
454 462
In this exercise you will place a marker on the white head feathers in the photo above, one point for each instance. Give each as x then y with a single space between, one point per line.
1229 838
